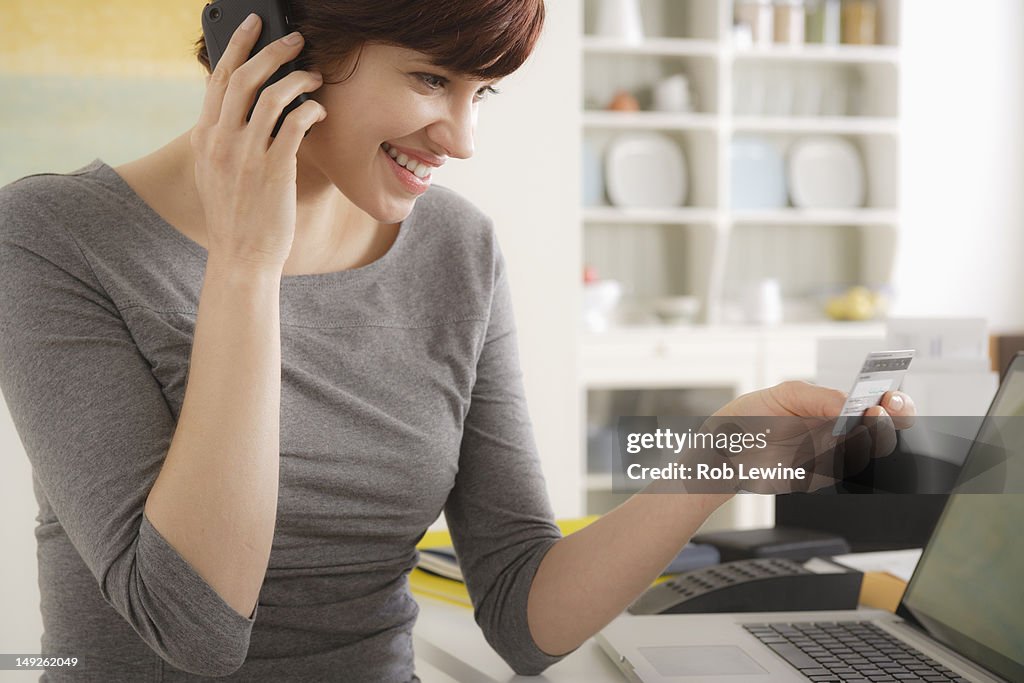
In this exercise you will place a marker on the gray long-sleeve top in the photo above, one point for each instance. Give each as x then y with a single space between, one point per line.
401 397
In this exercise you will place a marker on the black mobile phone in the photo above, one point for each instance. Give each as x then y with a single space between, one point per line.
222 17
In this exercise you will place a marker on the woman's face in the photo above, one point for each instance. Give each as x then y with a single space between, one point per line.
395 99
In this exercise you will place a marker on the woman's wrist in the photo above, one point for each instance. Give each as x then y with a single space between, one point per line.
231 267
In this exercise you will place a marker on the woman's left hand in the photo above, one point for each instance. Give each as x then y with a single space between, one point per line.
803 399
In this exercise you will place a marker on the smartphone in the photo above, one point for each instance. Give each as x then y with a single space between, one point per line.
882 371
222 17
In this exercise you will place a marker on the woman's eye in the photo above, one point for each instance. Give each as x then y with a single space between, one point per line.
486 91
432 81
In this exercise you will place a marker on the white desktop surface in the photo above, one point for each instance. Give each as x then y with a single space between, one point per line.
450 647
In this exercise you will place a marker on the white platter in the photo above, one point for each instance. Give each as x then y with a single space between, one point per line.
825 172
645 170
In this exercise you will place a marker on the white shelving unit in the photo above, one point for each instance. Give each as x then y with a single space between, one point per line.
710 250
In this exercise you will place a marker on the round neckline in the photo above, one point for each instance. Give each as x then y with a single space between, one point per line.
302 279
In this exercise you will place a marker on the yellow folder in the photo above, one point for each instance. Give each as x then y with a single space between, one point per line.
430 585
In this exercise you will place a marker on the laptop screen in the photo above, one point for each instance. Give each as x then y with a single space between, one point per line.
968 589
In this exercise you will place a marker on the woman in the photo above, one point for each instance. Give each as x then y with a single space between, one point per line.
250 371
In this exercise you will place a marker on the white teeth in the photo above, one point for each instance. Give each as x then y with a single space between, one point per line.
418 169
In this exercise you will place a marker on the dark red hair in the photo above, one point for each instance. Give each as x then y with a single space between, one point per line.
479 39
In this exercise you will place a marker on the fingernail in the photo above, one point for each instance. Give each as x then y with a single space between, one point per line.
896 402
250 21
293 38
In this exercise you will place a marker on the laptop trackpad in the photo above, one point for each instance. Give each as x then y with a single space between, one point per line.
700 660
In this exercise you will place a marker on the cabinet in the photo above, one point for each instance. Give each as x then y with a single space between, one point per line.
709 247
773 94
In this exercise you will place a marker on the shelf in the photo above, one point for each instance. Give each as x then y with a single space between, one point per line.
837 125
708 216
675 216
649 120
708 249
830 54
740 357
647 334
687 47
855 217
658 47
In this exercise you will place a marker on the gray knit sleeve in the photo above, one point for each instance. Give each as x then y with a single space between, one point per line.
96 428
499 513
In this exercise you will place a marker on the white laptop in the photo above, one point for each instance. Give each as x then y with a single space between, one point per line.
961 617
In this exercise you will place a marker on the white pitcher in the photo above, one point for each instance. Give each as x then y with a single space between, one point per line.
620 19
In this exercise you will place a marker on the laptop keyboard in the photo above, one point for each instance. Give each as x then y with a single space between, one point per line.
849 651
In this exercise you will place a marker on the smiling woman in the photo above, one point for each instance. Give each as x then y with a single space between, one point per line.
271 362
465 44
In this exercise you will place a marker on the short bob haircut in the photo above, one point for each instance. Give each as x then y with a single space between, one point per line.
478 39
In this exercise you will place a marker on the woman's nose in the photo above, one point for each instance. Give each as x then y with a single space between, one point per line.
455 130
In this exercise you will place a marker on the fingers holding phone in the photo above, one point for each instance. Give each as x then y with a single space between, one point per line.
275 99
244 176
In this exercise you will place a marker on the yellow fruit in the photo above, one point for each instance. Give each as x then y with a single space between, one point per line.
857 303
836 308
860 308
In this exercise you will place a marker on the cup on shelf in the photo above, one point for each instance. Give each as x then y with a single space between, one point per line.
823 22
673 94
759 16
599 301
742 36
789 22
620 19
860 22
763 302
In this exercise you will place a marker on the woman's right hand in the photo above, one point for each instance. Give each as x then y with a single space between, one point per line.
246 179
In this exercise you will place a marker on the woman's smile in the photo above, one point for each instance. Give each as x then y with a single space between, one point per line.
413 174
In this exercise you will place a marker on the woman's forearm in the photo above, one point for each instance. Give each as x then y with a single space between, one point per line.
588 578
215 500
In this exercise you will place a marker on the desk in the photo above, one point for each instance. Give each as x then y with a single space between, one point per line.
451 648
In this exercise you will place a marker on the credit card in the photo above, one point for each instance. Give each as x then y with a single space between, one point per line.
882 371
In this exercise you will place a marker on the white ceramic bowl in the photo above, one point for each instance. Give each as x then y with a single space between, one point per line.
677 310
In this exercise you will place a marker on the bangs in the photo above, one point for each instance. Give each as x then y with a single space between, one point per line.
478 39
482 39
